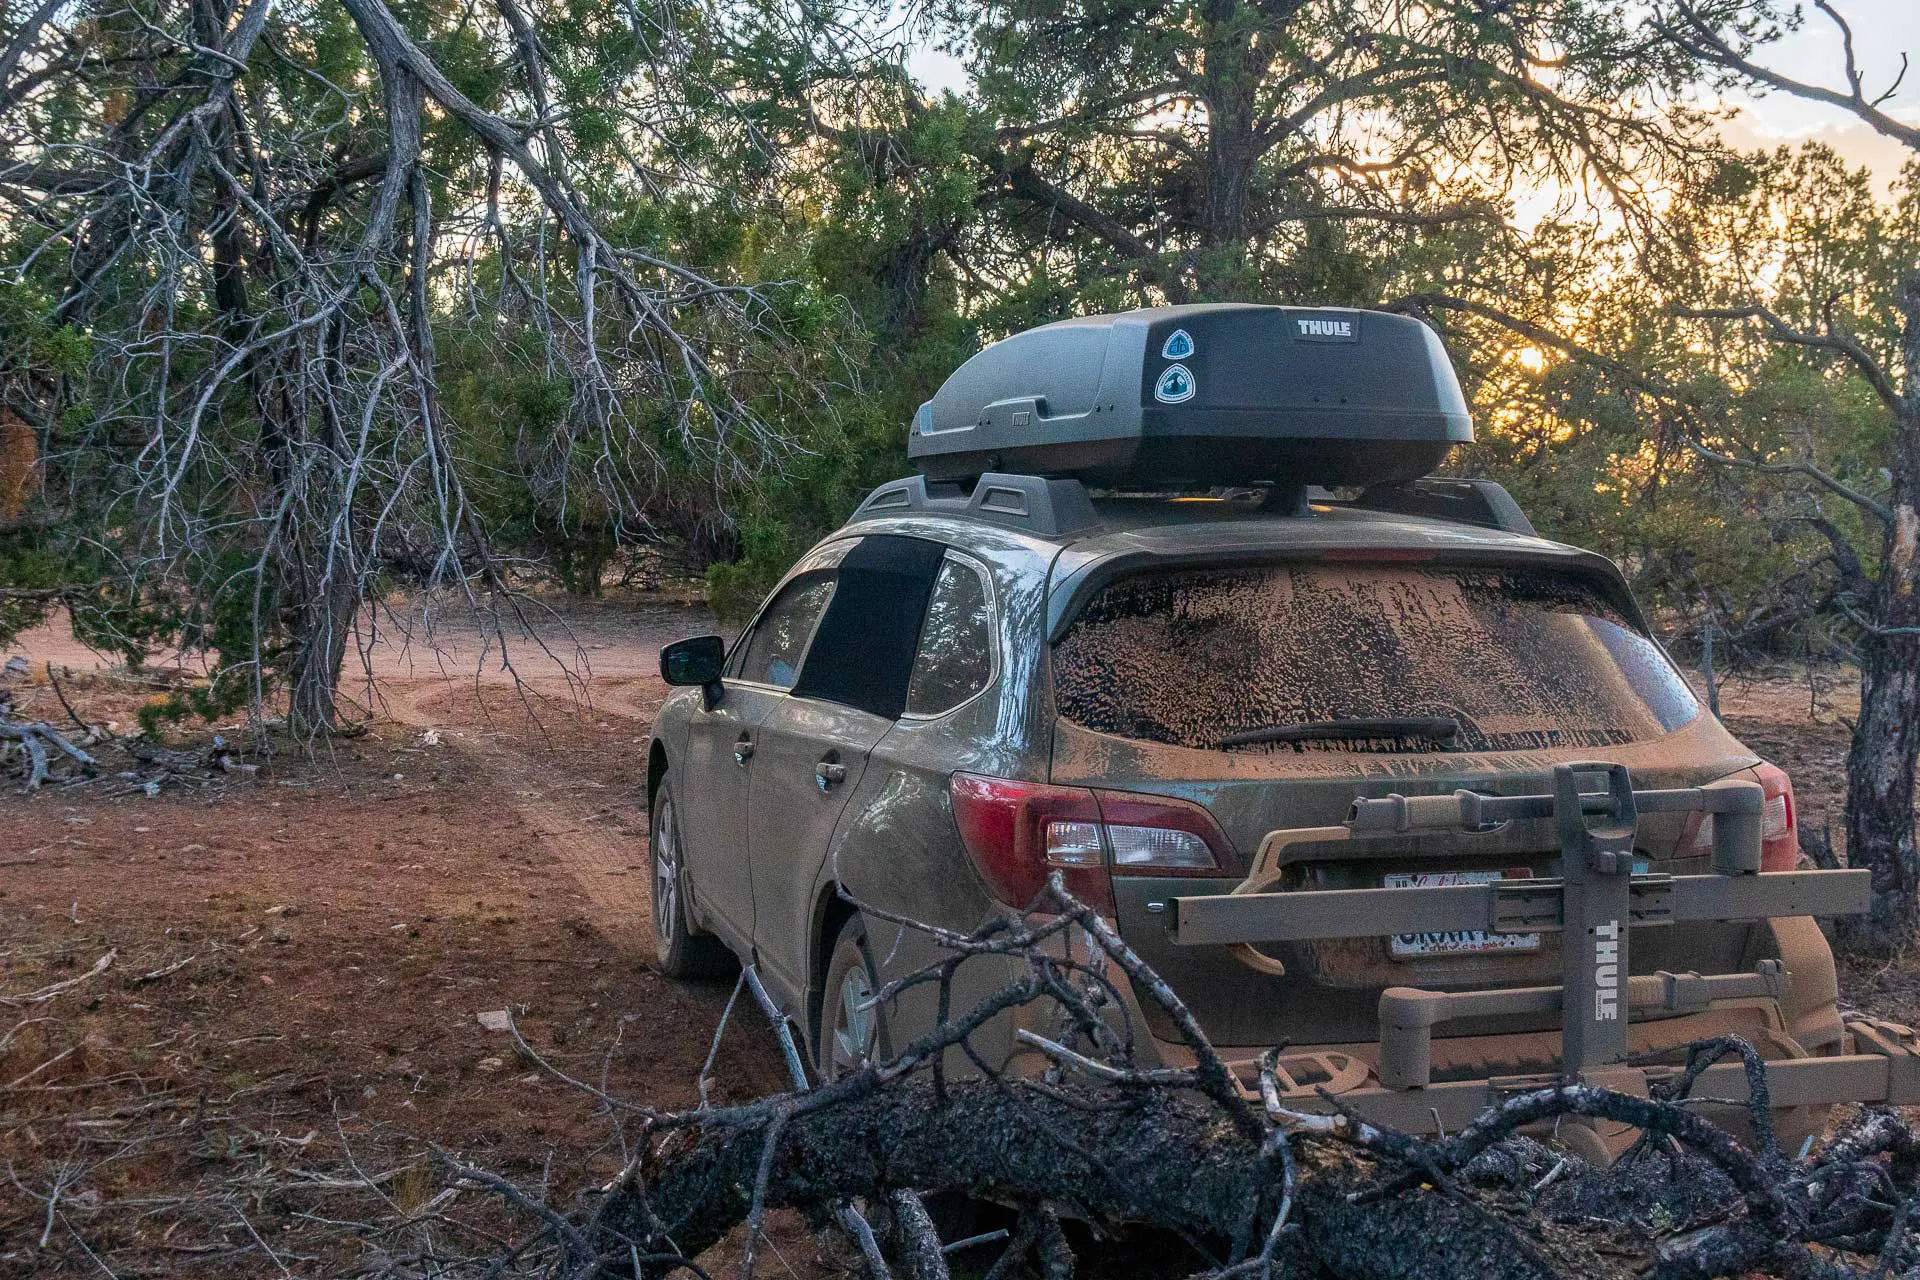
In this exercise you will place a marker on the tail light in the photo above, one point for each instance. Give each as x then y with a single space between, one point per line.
1779 825
1779 830
1018 833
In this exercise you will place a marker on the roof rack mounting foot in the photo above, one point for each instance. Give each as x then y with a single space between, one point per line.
1030 504
1286 500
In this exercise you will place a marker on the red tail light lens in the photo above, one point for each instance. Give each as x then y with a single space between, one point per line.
1779 824
1017 833
1779 829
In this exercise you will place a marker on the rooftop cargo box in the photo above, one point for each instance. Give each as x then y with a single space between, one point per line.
1223 393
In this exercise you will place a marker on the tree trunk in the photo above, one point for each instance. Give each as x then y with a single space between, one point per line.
1235 65
322 621
1886 739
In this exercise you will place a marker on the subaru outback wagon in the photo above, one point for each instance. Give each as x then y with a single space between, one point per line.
988 676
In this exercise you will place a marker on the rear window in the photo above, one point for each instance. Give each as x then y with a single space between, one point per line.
1518 659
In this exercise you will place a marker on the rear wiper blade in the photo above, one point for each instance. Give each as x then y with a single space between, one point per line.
1432 728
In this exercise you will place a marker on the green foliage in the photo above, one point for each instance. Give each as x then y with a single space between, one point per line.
1350 153
1597 449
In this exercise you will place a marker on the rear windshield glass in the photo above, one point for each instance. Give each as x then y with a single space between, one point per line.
1518 659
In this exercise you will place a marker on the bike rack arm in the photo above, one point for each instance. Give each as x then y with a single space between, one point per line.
1508 906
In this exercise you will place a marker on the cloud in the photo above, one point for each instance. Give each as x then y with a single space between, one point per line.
1855 141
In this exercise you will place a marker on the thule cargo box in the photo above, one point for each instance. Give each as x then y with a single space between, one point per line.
1218 394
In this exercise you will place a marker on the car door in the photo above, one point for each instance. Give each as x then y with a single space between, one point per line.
723 742
813 749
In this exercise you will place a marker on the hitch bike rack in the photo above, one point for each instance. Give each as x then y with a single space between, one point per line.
1596 904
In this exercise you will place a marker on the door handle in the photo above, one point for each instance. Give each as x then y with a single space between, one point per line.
828 772
742 749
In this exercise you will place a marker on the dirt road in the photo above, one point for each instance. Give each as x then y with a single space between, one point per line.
558 732
304 955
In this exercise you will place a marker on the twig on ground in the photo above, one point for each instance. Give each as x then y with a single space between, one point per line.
45 994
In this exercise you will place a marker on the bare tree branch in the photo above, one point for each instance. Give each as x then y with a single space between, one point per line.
1698 33
1778 329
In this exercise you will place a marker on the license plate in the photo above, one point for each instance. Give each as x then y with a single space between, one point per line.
1459 943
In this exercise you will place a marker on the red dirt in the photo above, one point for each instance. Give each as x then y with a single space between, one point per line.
343 919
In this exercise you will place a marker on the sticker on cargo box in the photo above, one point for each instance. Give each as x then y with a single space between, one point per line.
1459 942
1175 385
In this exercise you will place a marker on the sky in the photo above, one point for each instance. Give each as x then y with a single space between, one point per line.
1882 29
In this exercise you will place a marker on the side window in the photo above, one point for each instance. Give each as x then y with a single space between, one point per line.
955 658
862 652
772 652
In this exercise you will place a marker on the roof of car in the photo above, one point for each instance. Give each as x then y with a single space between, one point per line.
1088 541
1177 525
1194 523
1195 532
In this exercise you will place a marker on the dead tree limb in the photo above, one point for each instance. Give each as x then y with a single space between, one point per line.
1100 1140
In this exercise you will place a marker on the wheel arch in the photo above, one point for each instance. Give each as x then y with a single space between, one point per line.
656 770
830 914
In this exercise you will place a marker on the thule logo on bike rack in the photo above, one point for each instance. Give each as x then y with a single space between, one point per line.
1606 971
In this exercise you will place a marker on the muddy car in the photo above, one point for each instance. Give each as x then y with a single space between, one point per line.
1353 758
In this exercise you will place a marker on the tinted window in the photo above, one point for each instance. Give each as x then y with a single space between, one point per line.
955 658
772 653
1519 659
862 652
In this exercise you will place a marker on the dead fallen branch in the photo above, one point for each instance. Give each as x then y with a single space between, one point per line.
45 994
34 739
1254 1191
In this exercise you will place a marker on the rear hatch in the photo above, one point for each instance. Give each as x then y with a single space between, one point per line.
1339 679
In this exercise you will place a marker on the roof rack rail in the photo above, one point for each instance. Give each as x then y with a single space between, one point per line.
1030 504
1052 507
1476 502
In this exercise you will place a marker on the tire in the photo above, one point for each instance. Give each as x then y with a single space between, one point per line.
680 950
849 1034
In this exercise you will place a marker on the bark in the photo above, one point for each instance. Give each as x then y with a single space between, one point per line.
1236 64
1171 1162
1886 739
321 626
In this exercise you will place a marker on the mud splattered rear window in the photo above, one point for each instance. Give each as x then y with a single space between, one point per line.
1518 660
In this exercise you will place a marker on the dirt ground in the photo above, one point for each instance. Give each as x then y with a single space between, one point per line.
285 1034
299 958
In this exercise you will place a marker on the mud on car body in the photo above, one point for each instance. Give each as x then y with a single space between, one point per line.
1109 631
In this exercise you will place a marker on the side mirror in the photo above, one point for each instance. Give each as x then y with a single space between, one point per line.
696 661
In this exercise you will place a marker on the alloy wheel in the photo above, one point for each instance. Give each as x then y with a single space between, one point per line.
854 1023
666 873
